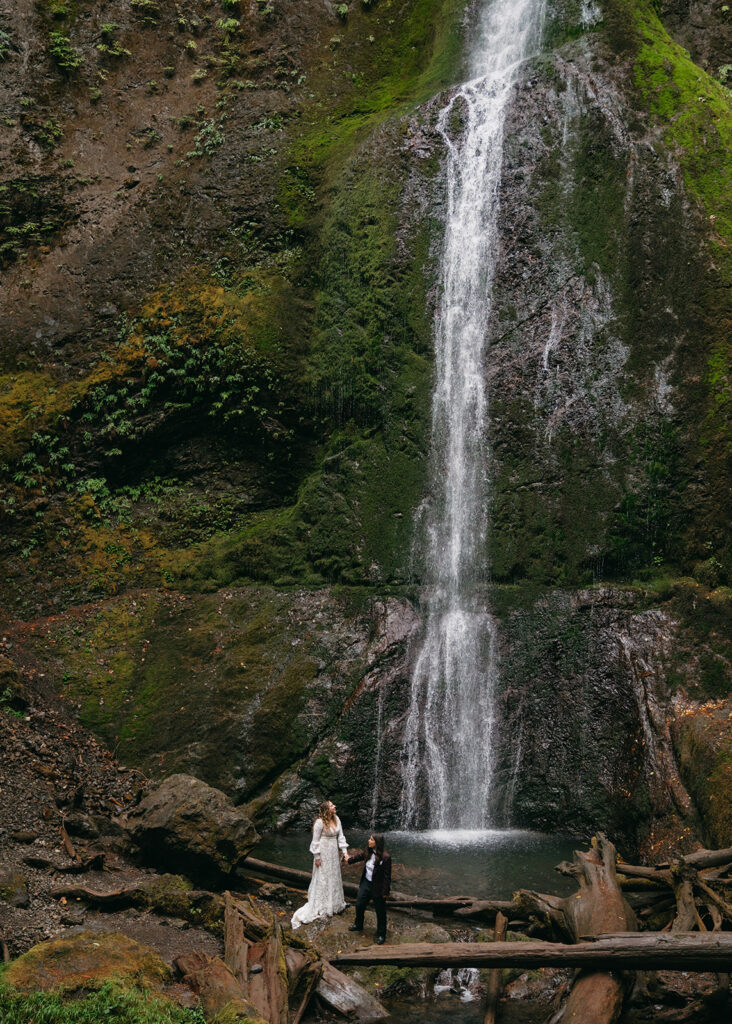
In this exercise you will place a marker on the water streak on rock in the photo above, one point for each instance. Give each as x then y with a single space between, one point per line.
447 750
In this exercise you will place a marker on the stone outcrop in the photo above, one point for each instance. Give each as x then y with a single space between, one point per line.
186 823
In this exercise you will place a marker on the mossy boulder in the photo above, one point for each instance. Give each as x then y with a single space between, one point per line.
192 825
175 896
86 961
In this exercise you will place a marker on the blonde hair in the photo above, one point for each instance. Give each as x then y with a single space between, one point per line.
325 814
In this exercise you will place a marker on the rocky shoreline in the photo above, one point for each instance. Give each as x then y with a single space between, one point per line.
88 894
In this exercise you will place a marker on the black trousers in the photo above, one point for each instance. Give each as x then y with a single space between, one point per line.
365 895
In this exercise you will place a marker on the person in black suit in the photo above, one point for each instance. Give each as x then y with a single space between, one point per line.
375 884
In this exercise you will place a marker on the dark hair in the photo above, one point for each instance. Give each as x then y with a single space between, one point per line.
378 847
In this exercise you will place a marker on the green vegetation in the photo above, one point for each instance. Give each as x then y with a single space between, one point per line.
148 10
112 1002
111 47
5 45
32 209
208 138
697 111
62 52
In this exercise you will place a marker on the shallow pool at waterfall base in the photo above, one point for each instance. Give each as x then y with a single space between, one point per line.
490 863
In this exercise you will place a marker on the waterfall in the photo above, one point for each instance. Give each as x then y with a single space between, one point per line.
447 745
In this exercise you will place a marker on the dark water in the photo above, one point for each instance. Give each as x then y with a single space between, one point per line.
488 863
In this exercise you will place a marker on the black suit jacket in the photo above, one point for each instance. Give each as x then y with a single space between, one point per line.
381 882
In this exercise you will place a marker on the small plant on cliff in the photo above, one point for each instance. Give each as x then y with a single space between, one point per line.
5 46
57 9
148 10
209 138
111 47
115 49
62 52
342 11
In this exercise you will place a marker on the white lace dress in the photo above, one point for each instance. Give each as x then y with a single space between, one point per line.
325 894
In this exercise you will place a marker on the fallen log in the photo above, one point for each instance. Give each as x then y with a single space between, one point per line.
236 945
124 896
252 866
599 906
313 977
705 858
493 985
268 988
297 963
673 951
345 996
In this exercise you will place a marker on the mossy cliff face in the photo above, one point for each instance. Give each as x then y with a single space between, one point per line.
221 233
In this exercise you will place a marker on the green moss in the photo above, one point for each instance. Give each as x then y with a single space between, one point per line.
696 110
152 672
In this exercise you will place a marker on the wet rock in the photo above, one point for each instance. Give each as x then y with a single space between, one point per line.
73 917
86 961
13 887
272 890
190 825
24 836
82 826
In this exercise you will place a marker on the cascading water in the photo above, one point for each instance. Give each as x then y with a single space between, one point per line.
447 747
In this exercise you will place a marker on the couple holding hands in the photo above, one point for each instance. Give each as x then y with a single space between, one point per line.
325 894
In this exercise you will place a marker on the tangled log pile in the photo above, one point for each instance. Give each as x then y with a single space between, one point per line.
601 913
270 974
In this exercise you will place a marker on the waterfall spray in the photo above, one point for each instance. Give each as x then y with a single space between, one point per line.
447 747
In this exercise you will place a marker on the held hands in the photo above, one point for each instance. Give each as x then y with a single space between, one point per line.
317 862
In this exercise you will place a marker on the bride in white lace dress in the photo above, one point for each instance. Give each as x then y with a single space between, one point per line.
325 894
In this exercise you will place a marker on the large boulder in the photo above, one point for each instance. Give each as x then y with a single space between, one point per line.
191 826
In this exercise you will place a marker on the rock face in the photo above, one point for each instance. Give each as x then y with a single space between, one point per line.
186 823
213 457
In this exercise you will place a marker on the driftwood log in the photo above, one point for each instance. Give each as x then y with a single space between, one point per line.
268 987
277 972
692 879
215 985
493 983
236 945
343 994
596 996
692 951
